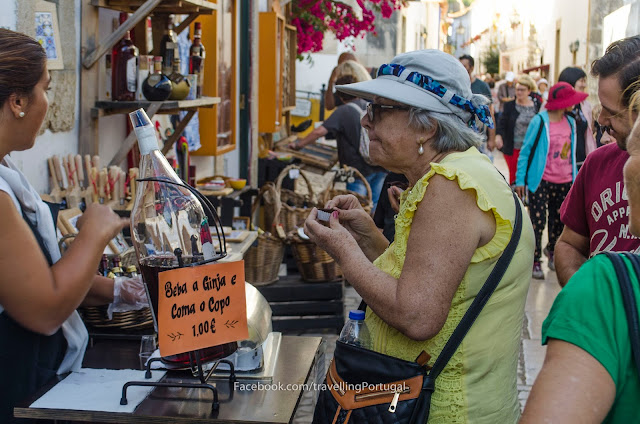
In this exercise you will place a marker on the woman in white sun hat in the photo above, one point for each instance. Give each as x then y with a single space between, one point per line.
454 222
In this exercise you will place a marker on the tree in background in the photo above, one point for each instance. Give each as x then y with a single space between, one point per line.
491 60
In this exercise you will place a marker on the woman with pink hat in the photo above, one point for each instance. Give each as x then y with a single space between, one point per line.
547 166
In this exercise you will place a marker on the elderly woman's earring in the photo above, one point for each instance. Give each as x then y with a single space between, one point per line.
421 141
21 114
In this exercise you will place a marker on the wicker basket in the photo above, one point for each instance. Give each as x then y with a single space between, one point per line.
315 265
365 201
262 260
96 317
294 207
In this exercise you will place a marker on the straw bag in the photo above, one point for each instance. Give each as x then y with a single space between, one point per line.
294 207
342 175
262 260
314 264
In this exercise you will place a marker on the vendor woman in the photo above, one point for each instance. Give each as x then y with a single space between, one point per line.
41 334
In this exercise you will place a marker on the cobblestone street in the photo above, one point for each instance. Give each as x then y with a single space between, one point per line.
539 300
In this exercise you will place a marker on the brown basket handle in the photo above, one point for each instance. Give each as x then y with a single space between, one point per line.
359 175
256 203
284 173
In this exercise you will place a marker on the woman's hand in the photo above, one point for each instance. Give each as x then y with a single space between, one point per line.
520 191
128 295
394 193
353 217
101 222
499 142
335 239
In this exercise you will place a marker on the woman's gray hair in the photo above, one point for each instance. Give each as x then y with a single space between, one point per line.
452 133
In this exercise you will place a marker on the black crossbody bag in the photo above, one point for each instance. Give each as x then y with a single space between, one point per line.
364 386
629 299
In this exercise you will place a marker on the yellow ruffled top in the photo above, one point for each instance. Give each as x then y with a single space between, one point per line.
478 385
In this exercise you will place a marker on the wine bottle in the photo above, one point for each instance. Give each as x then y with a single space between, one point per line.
157 87
115 23
196 58
125 74
180 86
169 47
168 226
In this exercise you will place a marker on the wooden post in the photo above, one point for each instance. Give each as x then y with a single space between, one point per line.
89 87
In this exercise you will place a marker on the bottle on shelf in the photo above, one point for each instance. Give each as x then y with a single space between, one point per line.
169 228
169 47
180 86
196 58
104 266
125 74
132 271
115 23
157 87
117 271
355 331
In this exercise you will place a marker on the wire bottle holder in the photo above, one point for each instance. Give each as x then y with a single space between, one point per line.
195 359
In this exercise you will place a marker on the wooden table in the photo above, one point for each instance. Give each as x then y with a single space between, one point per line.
295 361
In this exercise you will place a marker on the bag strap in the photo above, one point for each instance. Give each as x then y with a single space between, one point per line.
629 299
533 151
478 303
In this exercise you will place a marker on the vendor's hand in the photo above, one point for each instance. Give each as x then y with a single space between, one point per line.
499 142
102 223
335 239
520 191
394 193
295 145
129 294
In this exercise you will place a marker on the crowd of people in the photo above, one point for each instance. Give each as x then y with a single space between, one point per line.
428 119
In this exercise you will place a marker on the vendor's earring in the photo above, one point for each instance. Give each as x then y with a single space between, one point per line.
421 141
21 114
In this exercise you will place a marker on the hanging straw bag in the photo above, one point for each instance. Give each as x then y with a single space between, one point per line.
331 191
262 260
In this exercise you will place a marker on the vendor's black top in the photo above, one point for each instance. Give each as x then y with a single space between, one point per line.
507 123
385 216
344 122
27 360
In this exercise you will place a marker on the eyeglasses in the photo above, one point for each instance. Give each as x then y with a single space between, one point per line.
371 109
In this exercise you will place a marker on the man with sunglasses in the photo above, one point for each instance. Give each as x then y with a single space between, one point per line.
344 122
594 213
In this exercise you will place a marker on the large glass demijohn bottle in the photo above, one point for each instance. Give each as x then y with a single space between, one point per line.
169 228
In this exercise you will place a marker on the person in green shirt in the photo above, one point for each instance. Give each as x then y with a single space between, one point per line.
589 375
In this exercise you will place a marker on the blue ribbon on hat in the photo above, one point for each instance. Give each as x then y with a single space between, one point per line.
426 82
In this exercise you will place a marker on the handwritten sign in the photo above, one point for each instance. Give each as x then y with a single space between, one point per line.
201 307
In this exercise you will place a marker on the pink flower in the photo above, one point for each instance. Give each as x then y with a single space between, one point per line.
313 17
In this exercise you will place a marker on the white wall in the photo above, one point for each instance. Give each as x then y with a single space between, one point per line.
8 15
33 162
574 18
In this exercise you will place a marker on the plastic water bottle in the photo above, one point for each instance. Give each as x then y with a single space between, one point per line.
355 331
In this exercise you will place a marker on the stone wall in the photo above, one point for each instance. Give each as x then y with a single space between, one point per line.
62 97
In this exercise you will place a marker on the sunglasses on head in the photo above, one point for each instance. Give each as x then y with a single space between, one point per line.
371 109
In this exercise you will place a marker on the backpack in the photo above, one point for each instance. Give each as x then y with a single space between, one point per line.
363 146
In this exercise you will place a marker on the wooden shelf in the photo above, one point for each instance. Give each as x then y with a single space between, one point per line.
178 7
140 10
170 107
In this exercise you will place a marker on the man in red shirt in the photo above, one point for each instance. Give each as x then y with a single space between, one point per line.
595 212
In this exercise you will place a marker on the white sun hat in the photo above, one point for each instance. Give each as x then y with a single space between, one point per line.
426 79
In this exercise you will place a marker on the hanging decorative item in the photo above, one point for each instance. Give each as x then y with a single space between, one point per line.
313 18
